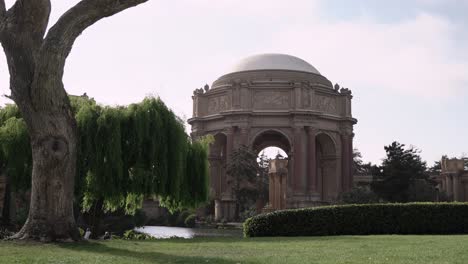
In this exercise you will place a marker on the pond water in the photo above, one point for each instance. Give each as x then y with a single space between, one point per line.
182 232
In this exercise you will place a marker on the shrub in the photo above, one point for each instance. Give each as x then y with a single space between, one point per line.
134 235
410 218
81 230
181 218
190 220
422 191
5 233
359 195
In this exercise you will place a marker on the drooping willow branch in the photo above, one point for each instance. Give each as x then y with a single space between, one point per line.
125 154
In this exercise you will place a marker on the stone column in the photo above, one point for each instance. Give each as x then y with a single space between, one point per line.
312 159
271 189
229 144
351 172
283 191
449 184
244 136
229 141
346 161
195 112
218 210
298 160
456 188
214 176
277 190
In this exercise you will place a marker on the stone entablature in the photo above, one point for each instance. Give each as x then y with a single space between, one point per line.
300 112
312 95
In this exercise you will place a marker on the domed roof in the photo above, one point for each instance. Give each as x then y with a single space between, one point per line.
273 61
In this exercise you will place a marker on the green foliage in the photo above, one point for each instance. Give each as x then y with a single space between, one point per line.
359 167
399 170
436 168
124 155
242 169
181 218
422 191
81 230
5 233
15 151
263 178
195 185
190 220
409 218
134 235
242 165
7 112
359 195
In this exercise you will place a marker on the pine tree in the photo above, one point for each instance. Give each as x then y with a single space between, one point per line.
399 170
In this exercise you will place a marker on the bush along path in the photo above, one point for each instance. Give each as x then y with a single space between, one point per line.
367 219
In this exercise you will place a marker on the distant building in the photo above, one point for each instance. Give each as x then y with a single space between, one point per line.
278 100
453 178
363 180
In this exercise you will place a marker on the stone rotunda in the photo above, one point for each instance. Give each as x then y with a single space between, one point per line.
282 101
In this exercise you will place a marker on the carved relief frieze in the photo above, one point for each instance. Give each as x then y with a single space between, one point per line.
326 104
271 100
218 104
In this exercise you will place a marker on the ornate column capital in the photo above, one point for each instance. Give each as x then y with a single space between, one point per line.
244 130
312 130
229 130
297 129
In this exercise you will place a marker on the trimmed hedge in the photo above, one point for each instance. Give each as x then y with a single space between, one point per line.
362 219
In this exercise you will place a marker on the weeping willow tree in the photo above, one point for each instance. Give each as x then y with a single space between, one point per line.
14 142
125 154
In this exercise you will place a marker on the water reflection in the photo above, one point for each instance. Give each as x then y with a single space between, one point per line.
182 232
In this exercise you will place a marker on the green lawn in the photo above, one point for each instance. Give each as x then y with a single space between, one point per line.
342 249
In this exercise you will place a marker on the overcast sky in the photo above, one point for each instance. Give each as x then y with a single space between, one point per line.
405 61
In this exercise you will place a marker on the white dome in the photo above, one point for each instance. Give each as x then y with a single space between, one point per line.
273 61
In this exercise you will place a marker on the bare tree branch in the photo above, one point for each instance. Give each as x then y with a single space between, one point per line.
22 30
60 38
2 8
2 16
29 18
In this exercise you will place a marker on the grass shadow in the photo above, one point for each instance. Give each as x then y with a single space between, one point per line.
103 248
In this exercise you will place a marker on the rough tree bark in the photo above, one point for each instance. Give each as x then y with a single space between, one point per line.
36 61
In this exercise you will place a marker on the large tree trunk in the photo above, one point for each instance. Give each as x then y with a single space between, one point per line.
36 66
54 166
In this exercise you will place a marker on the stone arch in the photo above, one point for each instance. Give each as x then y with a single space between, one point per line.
277 182
327 162
327 143
271 138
